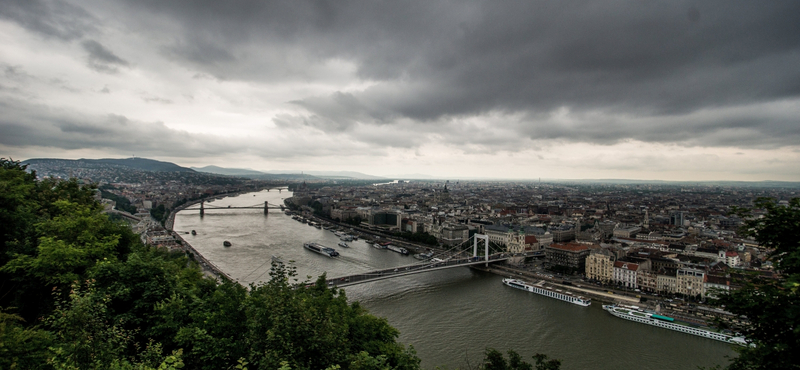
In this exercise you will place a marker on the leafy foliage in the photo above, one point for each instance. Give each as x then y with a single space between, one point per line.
422 237
494 360
771 304
90 296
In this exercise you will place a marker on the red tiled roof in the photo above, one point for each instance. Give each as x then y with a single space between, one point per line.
626 265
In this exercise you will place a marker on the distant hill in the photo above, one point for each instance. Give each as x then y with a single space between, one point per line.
413 176
228 171
332 174
143 164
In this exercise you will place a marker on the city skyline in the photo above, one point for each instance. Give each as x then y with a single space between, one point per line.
676 91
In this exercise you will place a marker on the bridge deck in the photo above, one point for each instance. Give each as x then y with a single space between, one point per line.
389 273
209 208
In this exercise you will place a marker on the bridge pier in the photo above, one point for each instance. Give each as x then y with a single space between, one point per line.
202 208
266 207
475 247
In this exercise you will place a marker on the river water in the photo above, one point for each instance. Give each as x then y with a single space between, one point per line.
449 316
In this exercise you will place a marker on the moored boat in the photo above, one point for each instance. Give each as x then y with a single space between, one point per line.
321 249
636 314
343 245
547 292
397 249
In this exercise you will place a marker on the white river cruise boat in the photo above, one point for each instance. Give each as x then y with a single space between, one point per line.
634 313
321 249
548 292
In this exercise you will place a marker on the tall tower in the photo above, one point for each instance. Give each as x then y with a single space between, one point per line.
646 222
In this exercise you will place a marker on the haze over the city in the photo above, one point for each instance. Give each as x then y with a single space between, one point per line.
677 90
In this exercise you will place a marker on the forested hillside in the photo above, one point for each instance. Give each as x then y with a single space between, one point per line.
79 291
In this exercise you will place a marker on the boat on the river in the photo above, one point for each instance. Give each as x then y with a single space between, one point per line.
226 243
321 249
397 249
424 256
346 238
277 260
343 245
194 232
548 292
634 313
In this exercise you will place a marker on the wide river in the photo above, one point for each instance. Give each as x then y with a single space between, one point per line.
449 316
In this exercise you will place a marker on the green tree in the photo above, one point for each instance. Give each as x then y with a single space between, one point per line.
494 360
772 305
20 347
109 302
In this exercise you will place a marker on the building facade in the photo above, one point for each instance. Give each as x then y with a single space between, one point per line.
600 265
571 255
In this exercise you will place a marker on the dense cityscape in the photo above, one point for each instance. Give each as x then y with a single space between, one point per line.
663 240
380 185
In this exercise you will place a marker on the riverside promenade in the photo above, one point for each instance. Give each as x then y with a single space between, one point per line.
207 266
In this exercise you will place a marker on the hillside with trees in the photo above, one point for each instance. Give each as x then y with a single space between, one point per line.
81 292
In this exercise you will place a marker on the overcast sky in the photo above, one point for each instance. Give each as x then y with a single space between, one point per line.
672 90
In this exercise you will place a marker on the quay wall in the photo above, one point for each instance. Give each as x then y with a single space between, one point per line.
207 265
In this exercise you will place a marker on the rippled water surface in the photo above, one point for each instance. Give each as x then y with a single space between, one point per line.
449 316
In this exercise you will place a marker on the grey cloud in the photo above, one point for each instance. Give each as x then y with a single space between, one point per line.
656 71
23 125
157 100
518 56
101 59
16 73
30 125
50 18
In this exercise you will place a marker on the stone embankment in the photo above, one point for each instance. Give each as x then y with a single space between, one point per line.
208 267
205 264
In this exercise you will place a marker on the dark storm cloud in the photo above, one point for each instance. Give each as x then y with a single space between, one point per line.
101 59
56 19
437 60
25 125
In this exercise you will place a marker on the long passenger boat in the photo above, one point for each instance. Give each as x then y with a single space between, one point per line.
321 249
634 313
548 292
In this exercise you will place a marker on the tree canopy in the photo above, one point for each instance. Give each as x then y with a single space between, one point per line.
80 291
772 305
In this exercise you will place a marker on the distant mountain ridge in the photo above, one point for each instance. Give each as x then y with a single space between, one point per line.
348 175
227 171
143 164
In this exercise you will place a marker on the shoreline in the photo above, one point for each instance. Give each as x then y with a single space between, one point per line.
500 270
207 266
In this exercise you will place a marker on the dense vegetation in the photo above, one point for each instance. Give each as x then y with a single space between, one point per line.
121 203
80 292
422 237
772 305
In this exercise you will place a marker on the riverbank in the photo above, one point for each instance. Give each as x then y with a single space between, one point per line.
207 266
506 271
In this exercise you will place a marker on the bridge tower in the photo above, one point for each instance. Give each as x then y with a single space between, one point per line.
486 244
202 208
266 207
